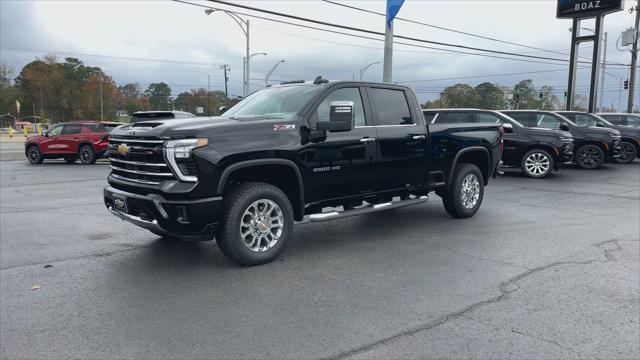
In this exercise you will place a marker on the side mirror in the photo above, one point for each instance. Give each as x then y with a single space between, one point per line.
44 133
599 124
340 117
508 128
564 126
222 109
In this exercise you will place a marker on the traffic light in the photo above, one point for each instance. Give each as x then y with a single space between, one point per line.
516 97
541 96
626 84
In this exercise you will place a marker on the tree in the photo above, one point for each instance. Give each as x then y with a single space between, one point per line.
490 96
8 95
549 101
158 94
460 96
190 101
100 87
131 98
529 97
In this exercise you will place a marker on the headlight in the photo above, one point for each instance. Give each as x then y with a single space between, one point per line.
182 149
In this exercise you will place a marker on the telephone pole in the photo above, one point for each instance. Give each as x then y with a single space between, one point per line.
226 69
634 59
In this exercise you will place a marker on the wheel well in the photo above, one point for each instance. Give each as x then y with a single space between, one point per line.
633 141
595 143
548 148
283 177
477 158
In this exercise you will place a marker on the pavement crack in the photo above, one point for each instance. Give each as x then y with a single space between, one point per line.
506 288
485 259
607 250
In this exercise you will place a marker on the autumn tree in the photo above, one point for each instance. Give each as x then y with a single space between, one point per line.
460 96
132 99
490 96
100 98
158 94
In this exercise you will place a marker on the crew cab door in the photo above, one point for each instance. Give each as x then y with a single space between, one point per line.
340 164
49 145
402 139
68 140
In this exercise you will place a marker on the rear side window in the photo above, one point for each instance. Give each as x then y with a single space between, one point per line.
583 120
615 119
456 117
428 116
391 107
485 118
71 129
633 120
547 121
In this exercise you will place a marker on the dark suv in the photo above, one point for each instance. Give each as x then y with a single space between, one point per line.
623 119
536 151
630 144
593 146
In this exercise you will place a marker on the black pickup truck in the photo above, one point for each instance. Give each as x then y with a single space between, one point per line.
320 149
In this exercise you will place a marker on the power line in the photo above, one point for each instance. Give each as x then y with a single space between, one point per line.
446 29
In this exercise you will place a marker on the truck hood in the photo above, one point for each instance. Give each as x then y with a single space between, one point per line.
630 131
173 127
547 131
599 131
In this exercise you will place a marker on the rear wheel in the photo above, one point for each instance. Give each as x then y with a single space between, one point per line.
34 155
464 195
537 163
70 159
257 222
590 157
87 155
628 153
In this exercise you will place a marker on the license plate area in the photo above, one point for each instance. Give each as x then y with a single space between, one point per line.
120 203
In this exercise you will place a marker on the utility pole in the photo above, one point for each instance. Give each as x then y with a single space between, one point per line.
634 59
208 87
248 57
604 62
388 52
226 68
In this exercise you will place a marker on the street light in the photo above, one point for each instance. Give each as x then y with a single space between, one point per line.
364 69
244 25
266 79
249 75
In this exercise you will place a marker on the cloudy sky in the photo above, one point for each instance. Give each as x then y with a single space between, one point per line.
153 41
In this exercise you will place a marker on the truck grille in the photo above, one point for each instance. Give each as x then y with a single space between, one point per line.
139 160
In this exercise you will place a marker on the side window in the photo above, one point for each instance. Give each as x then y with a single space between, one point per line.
632 120
55 131
391 107
615 119
522 118
583 120
456 117
71 129
429 116
344 94
547 121
485 118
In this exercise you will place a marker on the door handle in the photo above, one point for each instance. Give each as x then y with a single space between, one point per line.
367 140
419 137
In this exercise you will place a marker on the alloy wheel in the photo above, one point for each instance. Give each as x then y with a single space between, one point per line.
470 191
86 154
628 152
589 157
34 154
537 164
262 225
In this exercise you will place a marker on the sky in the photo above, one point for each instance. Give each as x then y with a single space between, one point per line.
153 41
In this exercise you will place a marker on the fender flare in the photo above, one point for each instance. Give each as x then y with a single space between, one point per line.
464 151
258 162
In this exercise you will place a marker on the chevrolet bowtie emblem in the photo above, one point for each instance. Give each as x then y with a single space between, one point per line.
123 149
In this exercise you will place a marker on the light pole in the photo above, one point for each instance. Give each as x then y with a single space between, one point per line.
602 65
248 75
364 69
266 79
244 25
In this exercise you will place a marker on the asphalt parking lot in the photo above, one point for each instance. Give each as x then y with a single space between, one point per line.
547 269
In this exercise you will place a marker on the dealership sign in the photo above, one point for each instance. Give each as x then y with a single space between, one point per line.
587 8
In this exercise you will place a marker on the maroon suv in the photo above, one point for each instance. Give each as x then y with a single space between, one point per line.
84 140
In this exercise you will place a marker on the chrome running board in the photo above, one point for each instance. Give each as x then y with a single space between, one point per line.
366 209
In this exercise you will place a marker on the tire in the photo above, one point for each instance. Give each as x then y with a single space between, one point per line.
537 163
34 155
70 159
464 196
628 153
261 243
590 157
87 155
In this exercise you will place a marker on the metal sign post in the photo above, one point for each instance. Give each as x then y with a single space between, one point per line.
579 10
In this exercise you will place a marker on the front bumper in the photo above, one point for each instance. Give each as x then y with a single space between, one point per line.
185 219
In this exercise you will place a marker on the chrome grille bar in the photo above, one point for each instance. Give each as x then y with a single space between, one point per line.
147 182
137 163
137 140
140 172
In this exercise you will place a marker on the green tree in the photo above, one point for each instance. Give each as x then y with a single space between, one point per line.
158 94
191 100
490 96
131 98
460 96
529 96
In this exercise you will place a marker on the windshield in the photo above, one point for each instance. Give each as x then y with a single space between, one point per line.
601 119
275 103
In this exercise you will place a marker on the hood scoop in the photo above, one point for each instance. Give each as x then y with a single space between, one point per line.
145 124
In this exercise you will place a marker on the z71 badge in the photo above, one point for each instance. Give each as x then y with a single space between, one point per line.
283 127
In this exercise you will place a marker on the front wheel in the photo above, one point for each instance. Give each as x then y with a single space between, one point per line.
257 222
87 155
34 155
590 157
537 163
628 153
464 195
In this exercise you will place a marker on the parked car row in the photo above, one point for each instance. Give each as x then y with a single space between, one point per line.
84 140
538 142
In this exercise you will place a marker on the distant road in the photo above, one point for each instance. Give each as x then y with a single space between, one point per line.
11 151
